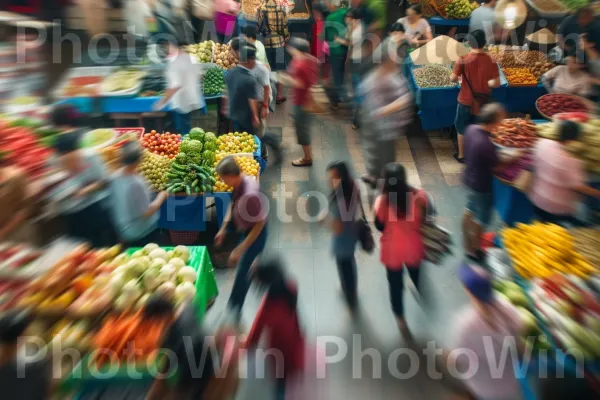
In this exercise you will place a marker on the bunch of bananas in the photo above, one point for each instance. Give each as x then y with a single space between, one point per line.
541 250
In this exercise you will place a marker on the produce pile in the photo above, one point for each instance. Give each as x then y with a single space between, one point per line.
223 57
123 80
136 277
569 309
513 170
20 146
459 9
574 5
531 333
110 154
430 53
299 15
535 62
86 86
250 7
515 132
214 82
433 75
541 250
202 51
440 6
587 243
153 85
236 142
166 144
248 165
154 168
554 103
17 260
550 6
520 76
192 169
587 149
98 138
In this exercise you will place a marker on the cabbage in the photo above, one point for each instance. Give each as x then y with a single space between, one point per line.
158 253
177 262
187 274
191 147
210 146
210 137
185 292
197 134
182 252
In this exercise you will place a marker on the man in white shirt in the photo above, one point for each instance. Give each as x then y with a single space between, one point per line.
183 94
483 18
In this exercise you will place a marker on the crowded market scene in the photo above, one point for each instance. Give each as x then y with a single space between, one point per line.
300 199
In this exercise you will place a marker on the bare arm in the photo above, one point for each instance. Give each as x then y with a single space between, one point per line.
287 80
168 95
494 83
226 220
396 105
588 191
252 236
155 205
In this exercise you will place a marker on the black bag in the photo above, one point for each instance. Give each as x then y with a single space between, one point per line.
481 98
365 235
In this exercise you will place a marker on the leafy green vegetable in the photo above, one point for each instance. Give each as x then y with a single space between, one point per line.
191 147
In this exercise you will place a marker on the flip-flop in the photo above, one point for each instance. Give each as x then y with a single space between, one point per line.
280 100
459 159
301 162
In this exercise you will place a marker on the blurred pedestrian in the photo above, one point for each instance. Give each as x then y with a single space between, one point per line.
301 76
272 22
277 318
484 330
243 92
335 34
249 33
135 211
66 118
82 198
248 212
387 110
399 212
16 203
344 205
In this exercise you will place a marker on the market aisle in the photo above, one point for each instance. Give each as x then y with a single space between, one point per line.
306 248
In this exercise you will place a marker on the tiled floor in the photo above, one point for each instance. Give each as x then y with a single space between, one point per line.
306 248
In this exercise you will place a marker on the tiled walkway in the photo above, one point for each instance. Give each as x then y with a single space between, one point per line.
306 248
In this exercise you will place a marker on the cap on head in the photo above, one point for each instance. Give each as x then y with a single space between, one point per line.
228 167
476 281
131 153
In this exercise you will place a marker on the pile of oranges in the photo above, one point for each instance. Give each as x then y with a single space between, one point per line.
166 144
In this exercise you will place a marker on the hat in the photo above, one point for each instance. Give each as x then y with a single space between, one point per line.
477 281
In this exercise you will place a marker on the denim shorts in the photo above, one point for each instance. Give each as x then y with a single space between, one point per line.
481 206
464 117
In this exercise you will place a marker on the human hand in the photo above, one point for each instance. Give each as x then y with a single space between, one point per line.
219 237
264 113
158 105
235 256
255 121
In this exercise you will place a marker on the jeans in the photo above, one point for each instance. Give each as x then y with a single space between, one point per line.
241 285
347 272
338 69
92 224
355 83
545 216
396 282
182 122
239 127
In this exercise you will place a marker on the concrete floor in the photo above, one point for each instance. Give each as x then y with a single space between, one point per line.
305 247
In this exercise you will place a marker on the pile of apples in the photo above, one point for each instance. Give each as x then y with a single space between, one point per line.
166 144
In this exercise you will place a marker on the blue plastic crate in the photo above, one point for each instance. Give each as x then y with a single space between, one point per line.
434 98
435 119
522 99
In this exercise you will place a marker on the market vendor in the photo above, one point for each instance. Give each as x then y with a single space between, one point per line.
559 177
417 29
135 213
82 198
248 214
572 78
183 91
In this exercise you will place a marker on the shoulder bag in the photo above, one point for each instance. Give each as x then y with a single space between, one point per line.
481 98
365 234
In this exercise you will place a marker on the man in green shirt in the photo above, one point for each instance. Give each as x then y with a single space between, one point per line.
335 35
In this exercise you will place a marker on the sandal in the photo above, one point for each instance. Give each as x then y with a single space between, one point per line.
459 159
281 100
302 162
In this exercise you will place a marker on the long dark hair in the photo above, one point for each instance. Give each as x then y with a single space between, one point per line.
269 275
395 188
347 185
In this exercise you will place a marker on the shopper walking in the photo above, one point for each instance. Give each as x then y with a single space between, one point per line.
387 111
135 212
301 76
344 204
399 213
272 22
249 33
277 318
182 91
248 215
335 35
242 91
82 198
479 75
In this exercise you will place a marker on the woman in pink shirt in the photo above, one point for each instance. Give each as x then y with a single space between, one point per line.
559 177
399 212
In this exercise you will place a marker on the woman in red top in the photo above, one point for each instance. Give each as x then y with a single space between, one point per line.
278 319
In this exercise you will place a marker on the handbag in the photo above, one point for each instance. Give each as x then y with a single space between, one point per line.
365 234
481 98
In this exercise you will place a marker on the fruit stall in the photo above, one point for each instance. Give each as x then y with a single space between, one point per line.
98 301
510 200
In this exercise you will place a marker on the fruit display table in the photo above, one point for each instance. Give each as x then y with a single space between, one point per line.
511 204
522 99
441 21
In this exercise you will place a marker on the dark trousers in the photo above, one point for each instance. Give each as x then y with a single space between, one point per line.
182 122
241 285
92 224
280 389
239 127
338 71
396 283
347 272
545 216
